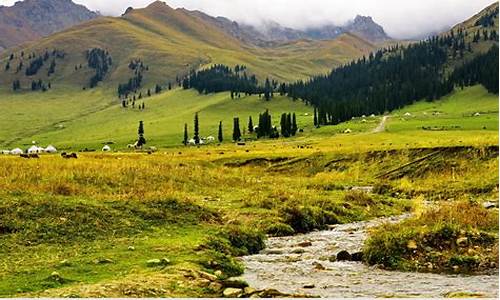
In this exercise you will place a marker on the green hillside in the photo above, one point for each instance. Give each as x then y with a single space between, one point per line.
171 43
68 122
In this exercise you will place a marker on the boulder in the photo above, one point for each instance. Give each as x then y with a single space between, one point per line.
462 242
215 286
344 256
298 251
332 258
232 293
235 283
305 244
207 276
249 291
318 266
158 262
358 256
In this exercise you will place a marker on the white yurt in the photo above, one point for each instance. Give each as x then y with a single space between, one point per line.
106 148
192 142
50 149
5 152
16 151
348 130
35 150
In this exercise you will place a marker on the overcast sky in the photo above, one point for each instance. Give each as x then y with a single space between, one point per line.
400 18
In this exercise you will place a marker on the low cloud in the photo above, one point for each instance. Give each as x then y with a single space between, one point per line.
401 19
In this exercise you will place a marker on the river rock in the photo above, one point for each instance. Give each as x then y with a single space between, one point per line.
249 291
309 286
218 273
298 251
272 252
215 286
358 256
412 245
207 276
235 283
462 242
158 262
305 244
318 266
232 293
343 256
332 258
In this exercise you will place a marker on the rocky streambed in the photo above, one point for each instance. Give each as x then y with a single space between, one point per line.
305 265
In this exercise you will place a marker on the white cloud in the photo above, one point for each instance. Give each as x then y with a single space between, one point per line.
400 18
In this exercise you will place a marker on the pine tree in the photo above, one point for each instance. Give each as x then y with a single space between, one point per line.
186 135
267 90
221 134
316 123
250 124
236 130
294 125
157 89
196 129
141 141
284 126
169 86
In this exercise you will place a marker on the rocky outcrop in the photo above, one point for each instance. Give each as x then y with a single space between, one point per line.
29 20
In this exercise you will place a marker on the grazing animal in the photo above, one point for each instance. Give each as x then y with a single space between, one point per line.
69 156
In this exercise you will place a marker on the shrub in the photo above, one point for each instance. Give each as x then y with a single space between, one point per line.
307 218
245 240
279 229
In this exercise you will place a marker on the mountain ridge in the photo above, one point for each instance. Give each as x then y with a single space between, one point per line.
32 19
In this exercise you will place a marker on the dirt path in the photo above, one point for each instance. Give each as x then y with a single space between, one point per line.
381 127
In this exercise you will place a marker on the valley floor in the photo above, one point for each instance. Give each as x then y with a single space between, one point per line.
171 223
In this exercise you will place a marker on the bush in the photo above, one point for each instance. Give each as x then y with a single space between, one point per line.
359 198
279 229
307 218
245 240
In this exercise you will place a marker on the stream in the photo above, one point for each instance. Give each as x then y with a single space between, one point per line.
291 269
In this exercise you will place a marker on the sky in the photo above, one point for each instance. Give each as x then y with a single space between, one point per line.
400 18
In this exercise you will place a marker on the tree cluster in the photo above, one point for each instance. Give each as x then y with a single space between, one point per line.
388 79
99 60
483 69
288 125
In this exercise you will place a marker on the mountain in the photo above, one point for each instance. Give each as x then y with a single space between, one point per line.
29 20
167 43
270 31
397 76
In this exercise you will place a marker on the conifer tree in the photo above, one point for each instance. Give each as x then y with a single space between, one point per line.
196 129
316 123
250 124
294 125
236 130
142 140
186 135
221 134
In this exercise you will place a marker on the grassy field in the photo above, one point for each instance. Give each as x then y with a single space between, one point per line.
99 226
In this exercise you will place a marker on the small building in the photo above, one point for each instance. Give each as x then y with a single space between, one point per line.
35 150
16 151
50 149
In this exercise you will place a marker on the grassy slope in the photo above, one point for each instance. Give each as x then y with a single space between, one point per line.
172 42
65 195
98 119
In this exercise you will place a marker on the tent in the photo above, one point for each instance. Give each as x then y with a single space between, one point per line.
50 149
16 151
35 150
106 148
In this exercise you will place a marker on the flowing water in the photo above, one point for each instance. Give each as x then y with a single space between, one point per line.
292 269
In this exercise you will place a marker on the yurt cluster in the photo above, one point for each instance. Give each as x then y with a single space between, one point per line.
31 150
